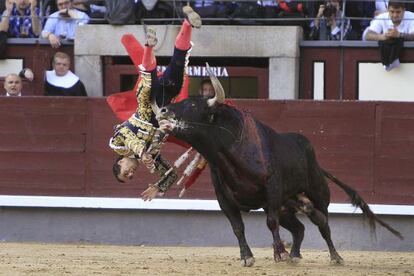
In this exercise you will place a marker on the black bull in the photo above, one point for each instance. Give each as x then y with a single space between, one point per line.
254 167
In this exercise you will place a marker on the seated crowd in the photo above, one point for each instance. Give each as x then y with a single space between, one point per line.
57 19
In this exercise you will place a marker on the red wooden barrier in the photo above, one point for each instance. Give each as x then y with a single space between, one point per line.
59 146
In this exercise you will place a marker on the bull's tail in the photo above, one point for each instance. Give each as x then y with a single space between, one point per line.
357 201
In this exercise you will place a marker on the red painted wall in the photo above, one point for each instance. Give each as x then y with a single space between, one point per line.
59 146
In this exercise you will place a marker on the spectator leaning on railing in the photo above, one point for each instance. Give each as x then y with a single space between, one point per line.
21 19
62 24
390 29
396 23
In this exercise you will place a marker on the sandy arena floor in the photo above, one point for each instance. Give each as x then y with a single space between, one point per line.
81 259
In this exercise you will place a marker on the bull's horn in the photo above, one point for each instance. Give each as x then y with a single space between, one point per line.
155 107
218 89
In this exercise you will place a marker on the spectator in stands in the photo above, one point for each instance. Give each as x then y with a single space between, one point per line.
206 89
61 81
329 24
13 85
62 24
21 19
396 23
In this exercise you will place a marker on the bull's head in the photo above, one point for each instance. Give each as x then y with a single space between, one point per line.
190 113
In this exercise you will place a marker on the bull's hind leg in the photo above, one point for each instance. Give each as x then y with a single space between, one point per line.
319 194
234 216
319 216
289 221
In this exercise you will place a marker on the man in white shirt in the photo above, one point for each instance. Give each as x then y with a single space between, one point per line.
13 85
396 23
62 24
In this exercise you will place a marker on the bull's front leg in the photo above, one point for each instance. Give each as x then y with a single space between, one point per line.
234 216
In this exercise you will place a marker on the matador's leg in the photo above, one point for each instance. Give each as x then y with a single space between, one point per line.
141 122
149 80
173 76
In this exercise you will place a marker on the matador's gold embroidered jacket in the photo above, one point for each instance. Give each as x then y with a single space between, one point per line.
132 137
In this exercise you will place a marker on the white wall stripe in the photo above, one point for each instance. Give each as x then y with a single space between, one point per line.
168 204
318 80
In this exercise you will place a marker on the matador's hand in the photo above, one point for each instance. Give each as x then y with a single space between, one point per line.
150 193
148 161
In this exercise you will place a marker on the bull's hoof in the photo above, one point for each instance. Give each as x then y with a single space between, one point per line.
284 256
337 261
248 262
294 260
295 255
